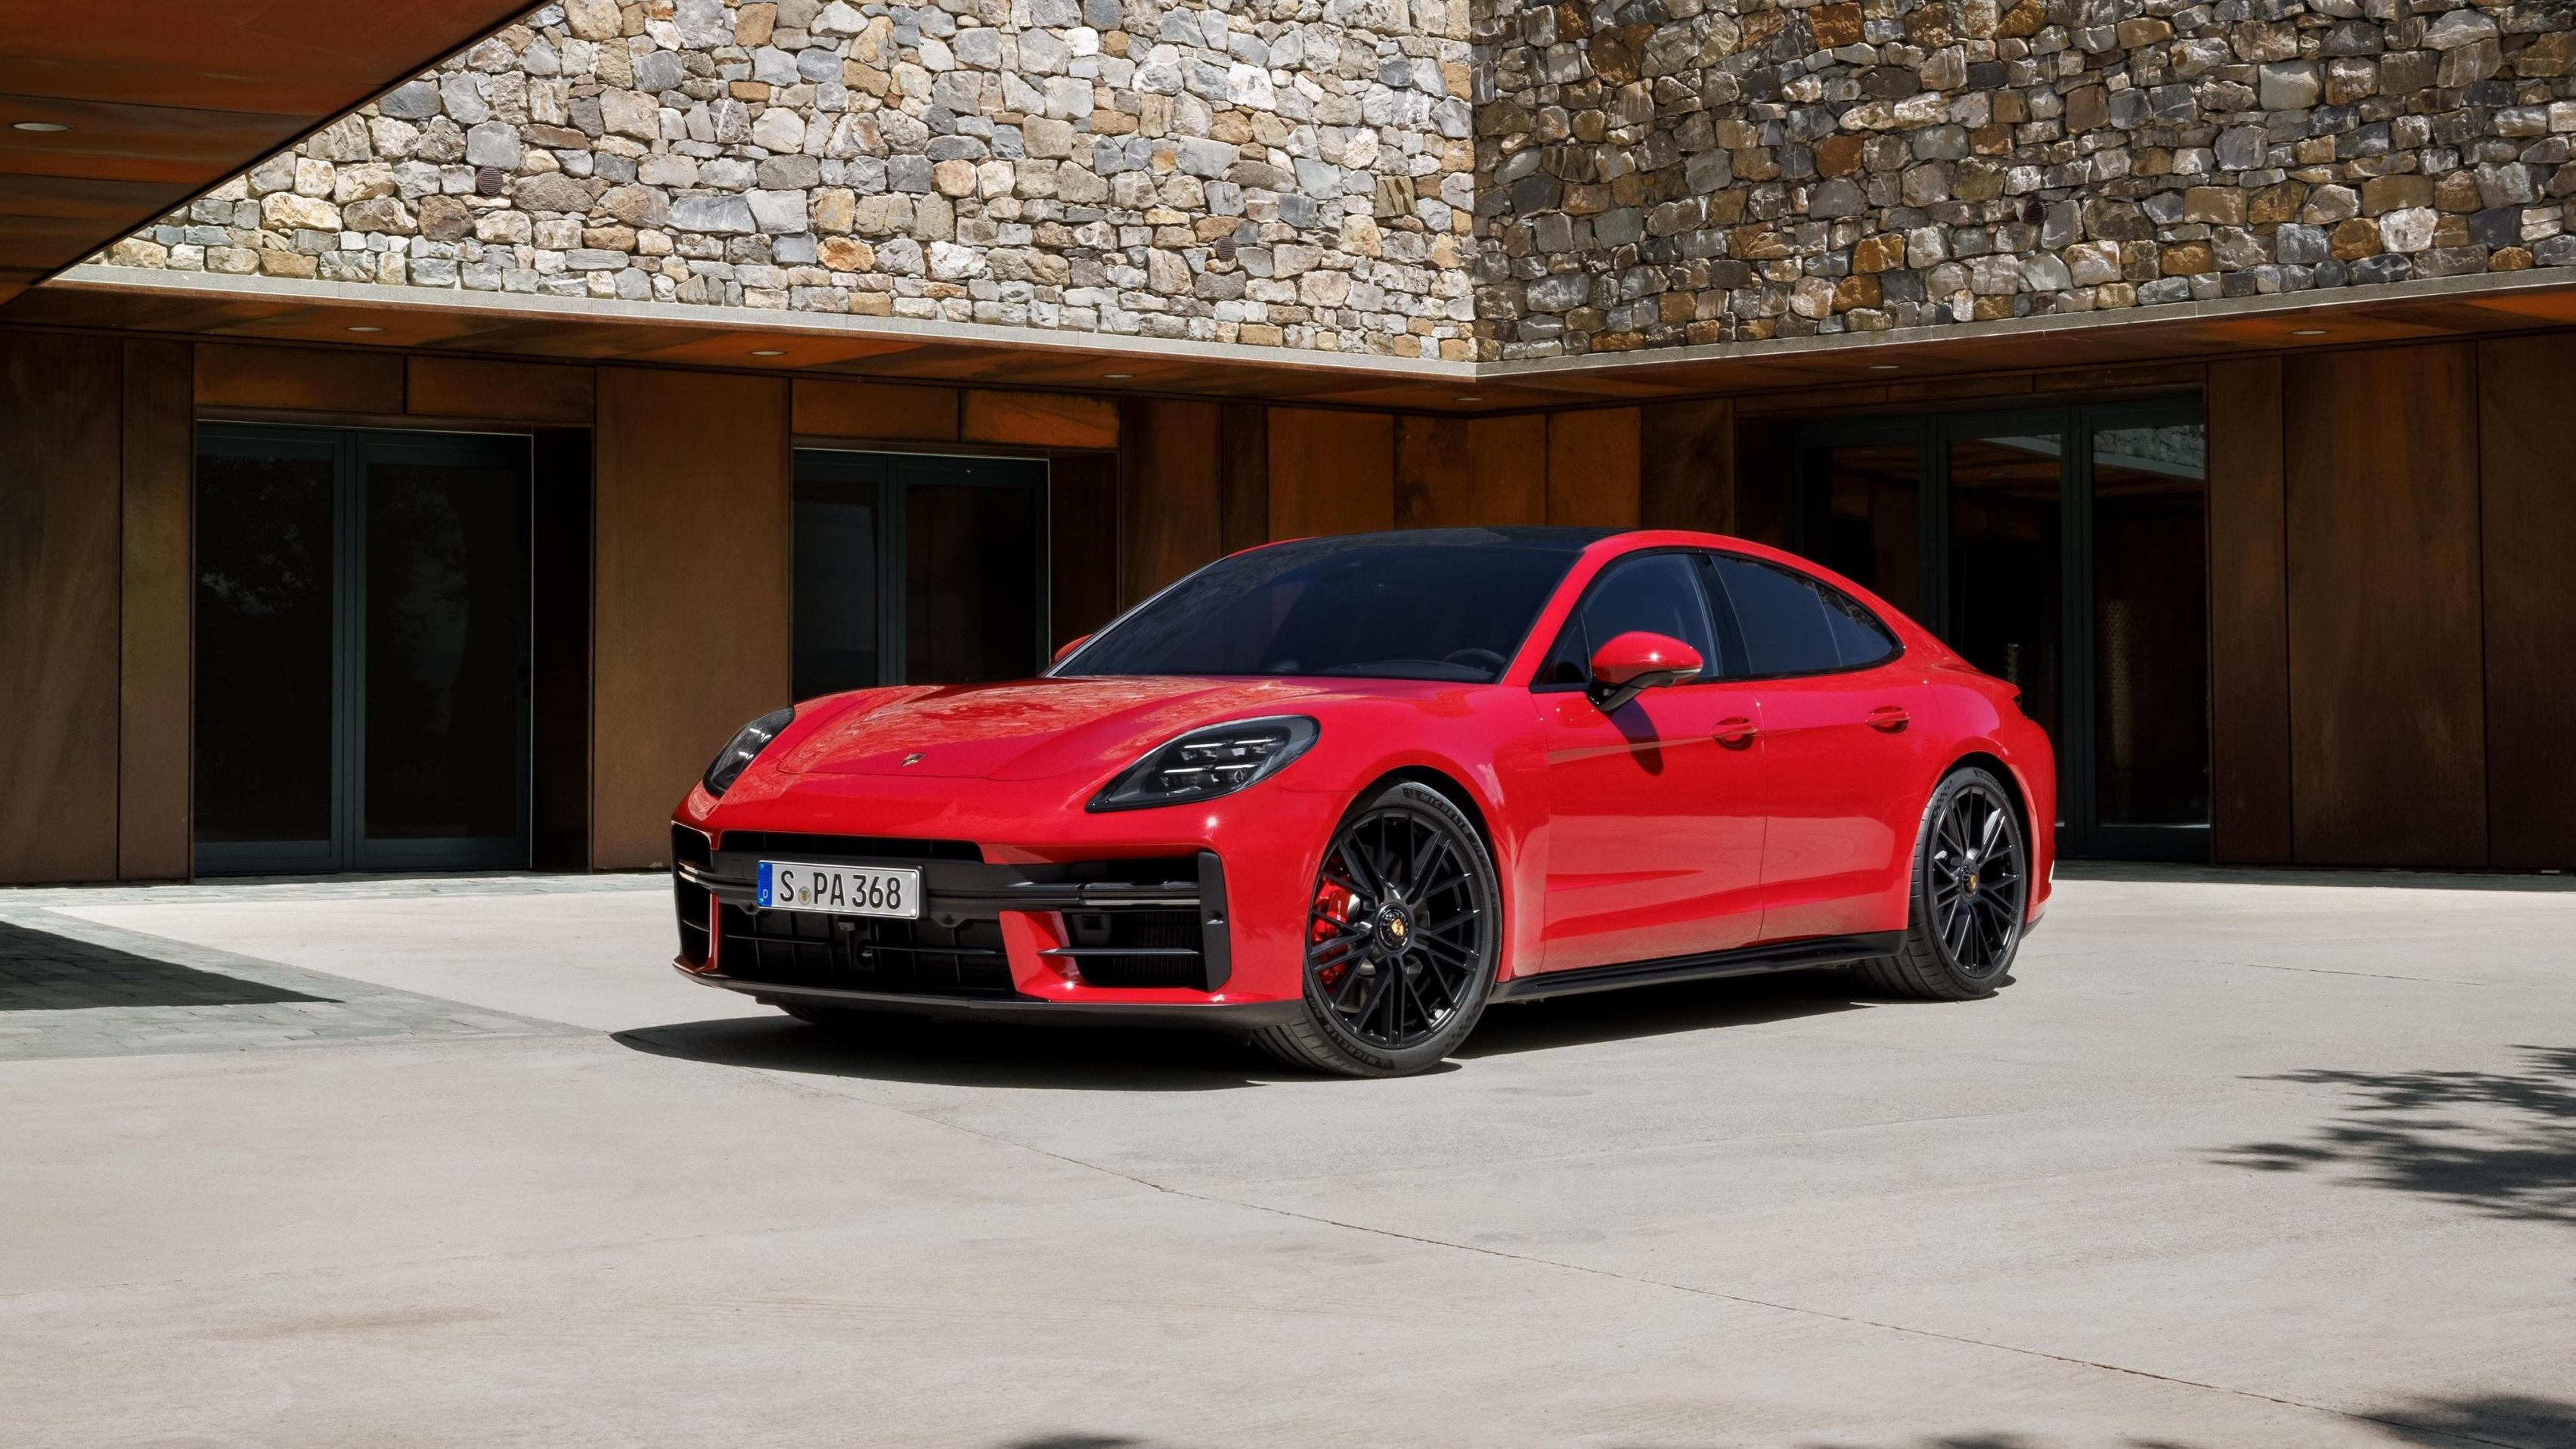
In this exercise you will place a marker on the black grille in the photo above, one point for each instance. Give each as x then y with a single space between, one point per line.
862 953
689 847
774 845
1164 947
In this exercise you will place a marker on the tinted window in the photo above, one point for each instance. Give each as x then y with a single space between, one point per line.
1658 594
1793 625
1386 608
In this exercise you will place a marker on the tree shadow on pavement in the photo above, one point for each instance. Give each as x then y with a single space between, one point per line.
2503 1143
967 1053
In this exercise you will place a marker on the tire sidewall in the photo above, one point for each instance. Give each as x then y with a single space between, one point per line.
1327 1023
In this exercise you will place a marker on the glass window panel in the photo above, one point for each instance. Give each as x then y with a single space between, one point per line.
265 535
1658 594
836 589
972 575
1783 619
1859 640
1862 521
2151 625
2005 598
446 647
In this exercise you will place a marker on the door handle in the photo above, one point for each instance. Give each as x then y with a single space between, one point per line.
1735 733
1889 718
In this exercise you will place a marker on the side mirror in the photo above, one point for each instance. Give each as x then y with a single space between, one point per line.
1070 645
1637 661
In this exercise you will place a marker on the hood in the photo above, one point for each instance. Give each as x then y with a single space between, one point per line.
1035 728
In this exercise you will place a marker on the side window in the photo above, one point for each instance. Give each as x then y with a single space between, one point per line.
1658 593
1788 626
1858 638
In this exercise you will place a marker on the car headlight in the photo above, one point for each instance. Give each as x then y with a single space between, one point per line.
743 748
1206 763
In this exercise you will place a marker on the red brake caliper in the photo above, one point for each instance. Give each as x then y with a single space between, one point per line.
1333 906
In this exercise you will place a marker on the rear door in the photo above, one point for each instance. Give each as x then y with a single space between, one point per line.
1851 738
1654 839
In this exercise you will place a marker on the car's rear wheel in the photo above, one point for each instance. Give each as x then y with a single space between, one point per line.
1971 895
1403 928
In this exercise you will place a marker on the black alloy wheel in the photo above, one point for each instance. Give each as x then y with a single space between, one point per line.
1403 928
1971 894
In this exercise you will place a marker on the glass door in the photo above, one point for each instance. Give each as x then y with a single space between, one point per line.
362 650
2064 549
917 569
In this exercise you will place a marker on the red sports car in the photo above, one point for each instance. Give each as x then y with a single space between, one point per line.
1342 794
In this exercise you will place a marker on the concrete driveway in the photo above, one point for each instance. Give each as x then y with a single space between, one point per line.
2271 1161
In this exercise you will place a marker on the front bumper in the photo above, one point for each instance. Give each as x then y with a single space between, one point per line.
1234 1016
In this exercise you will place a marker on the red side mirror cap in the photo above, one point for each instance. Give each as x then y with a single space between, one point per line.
1637 661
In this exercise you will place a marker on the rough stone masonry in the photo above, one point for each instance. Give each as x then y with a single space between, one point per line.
1435 177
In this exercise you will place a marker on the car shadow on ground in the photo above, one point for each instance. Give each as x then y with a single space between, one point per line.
1109 1059
2503 1143
2518 1421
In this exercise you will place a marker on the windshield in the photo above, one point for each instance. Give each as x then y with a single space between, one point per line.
1376 607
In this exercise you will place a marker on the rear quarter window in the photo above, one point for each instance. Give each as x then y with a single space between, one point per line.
1796 625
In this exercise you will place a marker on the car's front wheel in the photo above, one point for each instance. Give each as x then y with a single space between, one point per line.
1971 895
1402 933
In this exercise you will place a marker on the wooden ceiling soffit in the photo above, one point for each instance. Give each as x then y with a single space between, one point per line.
167 99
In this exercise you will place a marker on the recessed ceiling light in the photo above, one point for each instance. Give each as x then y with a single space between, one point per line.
38 126
2308 332
1116 376
769 352
366 329
1882 367
1471 397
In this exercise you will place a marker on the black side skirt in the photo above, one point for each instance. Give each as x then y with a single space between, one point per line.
1748 961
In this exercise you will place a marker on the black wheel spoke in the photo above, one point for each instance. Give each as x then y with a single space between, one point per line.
1976 891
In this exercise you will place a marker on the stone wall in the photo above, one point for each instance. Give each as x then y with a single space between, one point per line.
1668 171
1410 177
1280 172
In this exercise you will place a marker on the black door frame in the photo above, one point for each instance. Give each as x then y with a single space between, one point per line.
351 451
891 474
2080 830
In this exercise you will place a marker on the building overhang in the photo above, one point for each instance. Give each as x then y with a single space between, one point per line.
1916 361
110 120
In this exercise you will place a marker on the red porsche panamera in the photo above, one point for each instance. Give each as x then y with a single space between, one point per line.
1341 794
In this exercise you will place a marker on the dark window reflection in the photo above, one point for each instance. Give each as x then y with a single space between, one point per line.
972 576
836 588
1862 521
2151 625
2005 596
446 649
264 653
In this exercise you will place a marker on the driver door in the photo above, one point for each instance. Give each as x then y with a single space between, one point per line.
1655 828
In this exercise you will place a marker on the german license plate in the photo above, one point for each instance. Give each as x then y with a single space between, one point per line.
843 890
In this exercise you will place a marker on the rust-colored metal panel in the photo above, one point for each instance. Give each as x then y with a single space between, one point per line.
1508 457
1243 476
689 619
1040 419
831 408
155 699
2387 727
2527 476
1435 475
1592 467
60 561
516 392
1686 465
1168 506
1330 472
1082 544
2249 641
299 379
